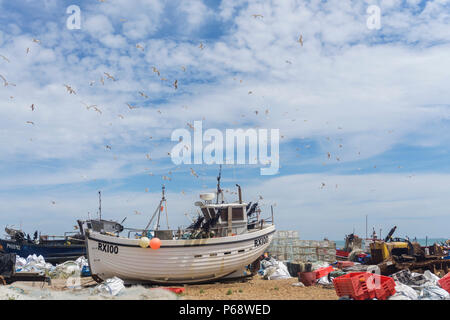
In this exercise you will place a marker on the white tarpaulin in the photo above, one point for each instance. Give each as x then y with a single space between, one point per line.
112 286
404 292
33 263
277 271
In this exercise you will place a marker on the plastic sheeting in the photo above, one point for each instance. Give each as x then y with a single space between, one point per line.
416 286
33 263
404 292
272 269
38 264
112 286
433 292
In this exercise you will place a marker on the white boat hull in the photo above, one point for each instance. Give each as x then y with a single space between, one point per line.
176 261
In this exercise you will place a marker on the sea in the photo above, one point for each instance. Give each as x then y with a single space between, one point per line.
422 242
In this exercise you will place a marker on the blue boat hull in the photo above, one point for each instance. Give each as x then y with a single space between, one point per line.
53 253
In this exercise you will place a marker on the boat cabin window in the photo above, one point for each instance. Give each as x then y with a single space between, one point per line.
237 214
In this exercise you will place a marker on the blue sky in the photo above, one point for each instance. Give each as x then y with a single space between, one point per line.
376 100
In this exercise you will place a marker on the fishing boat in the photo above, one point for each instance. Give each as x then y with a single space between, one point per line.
223 240
56 249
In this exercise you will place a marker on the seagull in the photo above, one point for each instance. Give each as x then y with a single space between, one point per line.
156 71
148 156
120 116
131 107
28 50
4 58
30 122
183 68
102 80
108 147
37 41
138 46
194 173
300 40
69 89
97 109
32 107
92 83
109 76
6 82
201 46
143 94
175 84
163 79
257 15
88 106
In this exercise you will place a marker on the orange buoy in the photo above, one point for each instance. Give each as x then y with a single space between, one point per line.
155 243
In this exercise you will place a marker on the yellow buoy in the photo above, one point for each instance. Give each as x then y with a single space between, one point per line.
144 242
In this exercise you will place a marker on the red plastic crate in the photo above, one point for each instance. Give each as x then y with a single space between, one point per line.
387 287
322 272
353 285
444 282
364 285
345 264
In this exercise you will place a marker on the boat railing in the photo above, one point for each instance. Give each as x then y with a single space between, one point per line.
178 233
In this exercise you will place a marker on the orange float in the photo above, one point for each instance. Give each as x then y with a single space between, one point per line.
155 243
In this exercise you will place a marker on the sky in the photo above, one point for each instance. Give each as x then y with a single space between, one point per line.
363 113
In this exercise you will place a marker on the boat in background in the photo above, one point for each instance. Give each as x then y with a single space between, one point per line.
57 249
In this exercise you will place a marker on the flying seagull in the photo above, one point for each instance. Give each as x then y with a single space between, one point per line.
6 82
4 58
156 71
109 76
70 89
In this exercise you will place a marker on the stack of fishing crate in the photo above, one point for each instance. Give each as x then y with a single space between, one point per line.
286 246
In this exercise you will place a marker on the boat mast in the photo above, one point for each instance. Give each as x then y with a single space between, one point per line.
164 206
158 211
219 190
100 204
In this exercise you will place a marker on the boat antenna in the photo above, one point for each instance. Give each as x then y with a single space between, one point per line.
219 190
100 204
158 211
164 201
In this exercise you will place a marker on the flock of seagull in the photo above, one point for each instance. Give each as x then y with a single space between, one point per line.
108 76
